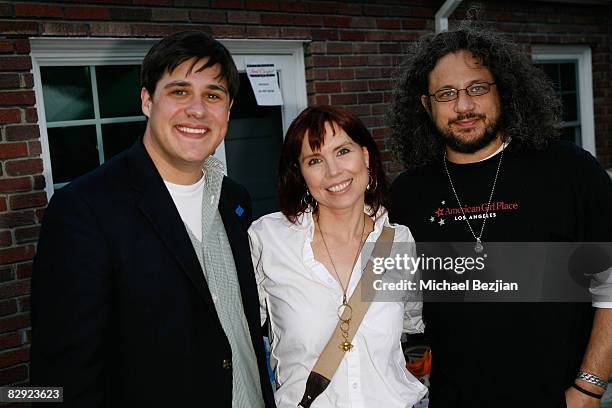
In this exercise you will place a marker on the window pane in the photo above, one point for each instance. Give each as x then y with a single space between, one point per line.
118 137
74 152
118 90
552 72
571 134
570 106
67 93
568 76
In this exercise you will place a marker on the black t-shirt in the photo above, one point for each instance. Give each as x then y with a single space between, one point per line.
507 354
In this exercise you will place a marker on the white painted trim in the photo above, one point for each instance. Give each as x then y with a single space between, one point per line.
444 13
52 51
581 54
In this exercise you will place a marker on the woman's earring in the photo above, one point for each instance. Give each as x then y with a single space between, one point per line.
309 201
371 180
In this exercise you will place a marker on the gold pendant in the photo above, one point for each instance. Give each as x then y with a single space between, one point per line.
346 346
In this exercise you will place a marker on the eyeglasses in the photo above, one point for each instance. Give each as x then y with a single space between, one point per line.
450 94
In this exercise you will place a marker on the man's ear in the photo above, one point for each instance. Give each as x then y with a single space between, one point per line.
145 102
425 101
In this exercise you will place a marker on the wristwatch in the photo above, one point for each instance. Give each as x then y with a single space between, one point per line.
593 379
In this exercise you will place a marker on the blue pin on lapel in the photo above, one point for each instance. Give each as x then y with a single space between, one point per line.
239 210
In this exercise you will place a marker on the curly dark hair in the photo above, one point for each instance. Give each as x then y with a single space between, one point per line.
530 109
311 121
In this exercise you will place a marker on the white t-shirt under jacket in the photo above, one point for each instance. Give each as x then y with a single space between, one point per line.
302 299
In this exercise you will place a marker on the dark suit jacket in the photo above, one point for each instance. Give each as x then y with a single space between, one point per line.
121 313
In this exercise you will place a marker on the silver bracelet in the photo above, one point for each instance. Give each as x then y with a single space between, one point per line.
593 379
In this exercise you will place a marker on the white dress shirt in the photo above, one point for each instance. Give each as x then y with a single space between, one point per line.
302 299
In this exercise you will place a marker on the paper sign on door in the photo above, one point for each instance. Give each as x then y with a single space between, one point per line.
264 81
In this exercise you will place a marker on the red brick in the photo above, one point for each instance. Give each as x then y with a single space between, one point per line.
13 150
8 307
262 4
380 84
414 24
6 46
365 48
10 340
10 358
228 31
375 10
22 46
293 6
324 34
39 182
327 87
350 35
18 27
363 22
22 167
6 10
308 20
23 304
86 13
337 21
10 116
351 9
24 270
170 15
9 81
359 110
38 10
227 4
322 99
243 17
40 212
325 61
14 375
152 30
14 289
6 274
339 48
374 60
387 24
344 99
276 19
27 234
370 97
65 29
22 132
354 86
6 239
324 8
15 219
27 80
21 201
262 32
391 48
201 16
381 109
131 14
15 63
153 2
13 185
342 73
17 98
34 148
31 115
16 254
295 33
111 29
353 61
3 206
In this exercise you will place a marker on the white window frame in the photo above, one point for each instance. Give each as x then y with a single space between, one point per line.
582 55
286 54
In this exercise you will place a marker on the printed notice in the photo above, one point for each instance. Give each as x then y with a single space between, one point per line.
264 81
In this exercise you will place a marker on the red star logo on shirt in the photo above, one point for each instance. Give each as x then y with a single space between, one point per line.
439 212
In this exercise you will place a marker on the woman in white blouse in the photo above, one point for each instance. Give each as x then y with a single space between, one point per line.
332 191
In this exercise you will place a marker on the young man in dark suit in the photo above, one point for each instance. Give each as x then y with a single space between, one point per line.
143 292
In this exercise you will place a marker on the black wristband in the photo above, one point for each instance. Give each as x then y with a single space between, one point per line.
586 392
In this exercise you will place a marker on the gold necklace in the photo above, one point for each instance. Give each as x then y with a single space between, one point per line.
344 323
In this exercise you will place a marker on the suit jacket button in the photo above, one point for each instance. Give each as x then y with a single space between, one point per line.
227 364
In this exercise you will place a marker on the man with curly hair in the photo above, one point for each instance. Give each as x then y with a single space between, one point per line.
476 124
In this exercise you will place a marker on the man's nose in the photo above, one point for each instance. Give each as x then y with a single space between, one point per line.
196 108
464 102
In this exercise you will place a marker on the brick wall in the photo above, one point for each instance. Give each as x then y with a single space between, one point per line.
350 60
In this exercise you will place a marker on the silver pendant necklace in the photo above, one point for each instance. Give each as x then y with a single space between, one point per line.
478 247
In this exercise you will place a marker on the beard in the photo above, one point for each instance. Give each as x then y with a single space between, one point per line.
468 146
